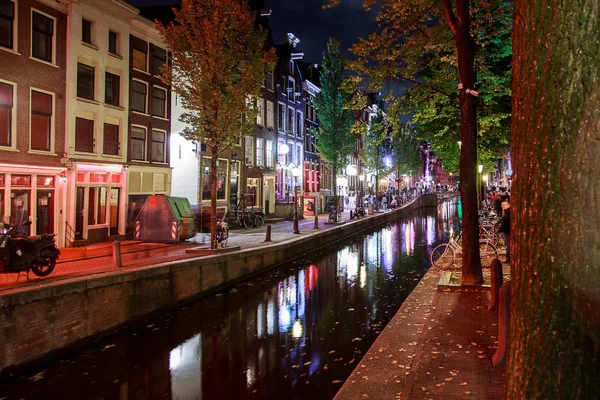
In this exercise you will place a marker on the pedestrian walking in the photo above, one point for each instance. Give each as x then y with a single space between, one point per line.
384 201
505 226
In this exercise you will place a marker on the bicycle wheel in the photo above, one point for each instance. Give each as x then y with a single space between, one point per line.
487 253
247 221
259 221
442 257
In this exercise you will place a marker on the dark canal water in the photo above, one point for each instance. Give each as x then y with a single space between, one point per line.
294 333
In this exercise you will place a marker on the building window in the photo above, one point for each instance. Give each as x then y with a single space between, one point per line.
113 42
299 124
98 199
260 150
138 96
298 154
138 143
291 65
159 58
270 114
158 146
281 118
159 102
269 79
290 88
249 150
41 121
86 31
7 20
260 120
85 81
84 135
42 34
6 111
111 139
221 182
139 50
269 154
290 121
112 89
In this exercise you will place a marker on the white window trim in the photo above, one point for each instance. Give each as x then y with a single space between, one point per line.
290 79
249 158
279 127
166 101
164 144
13 127
291 155
260 117
53 61
145 128
260 150
120 74
15 46
270 123
147 71
52 120
300 128
147 97
269 158
94 119
293 128
92 64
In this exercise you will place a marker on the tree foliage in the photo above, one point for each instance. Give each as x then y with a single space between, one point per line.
376 148
335 141
217 66
405 150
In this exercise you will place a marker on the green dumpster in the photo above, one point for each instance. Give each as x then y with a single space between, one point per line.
165 219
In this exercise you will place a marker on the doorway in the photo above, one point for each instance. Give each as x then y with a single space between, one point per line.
79 207
45 212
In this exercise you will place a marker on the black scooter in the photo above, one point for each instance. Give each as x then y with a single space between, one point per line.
22 254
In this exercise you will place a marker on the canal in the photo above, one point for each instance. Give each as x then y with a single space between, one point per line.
296 332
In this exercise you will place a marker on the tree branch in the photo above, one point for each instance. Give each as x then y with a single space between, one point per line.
450 18
453 98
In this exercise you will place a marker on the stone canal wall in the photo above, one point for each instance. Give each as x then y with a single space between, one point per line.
40 321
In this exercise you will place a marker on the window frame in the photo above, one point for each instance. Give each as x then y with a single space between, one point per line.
90 33
104 142
117 51
260 105
291 129
260 152
14 30
270 117
280 126
133 40
164 146
52 39
249 145
145 142
118 89
131 103
51 119
93 83
166 92
269 153
154 57
12 125
92 123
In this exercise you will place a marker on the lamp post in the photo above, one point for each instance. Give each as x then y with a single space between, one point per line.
479 185
296 173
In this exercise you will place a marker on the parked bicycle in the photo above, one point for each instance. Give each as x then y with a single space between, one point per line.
239 219
334 215
257 217
444 255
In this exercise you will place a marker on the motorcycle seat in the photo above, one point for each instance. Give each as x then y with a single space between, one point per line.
30 239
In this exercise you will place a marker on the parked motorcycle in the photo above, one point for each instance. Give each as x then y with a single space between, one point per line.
22 254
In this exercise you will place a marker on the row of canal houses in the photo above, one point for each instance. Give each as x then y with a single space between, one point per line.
88 131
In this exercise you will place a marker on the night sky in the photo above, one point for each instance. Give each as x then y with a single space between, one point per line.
312 25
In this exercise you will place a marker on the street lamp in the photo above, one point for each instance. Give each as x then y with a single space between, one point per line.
295 173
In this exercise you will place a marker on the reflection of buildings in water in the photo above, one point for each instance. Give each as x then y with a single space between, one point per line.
386 249
185 365
429 231
371 246
347 265
363 276
408 242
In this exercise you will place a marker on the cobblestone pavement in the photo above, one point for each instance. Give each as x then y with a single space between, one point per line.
438 346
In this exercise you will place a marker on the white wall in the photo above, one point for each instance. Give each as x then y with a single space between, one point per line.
184 160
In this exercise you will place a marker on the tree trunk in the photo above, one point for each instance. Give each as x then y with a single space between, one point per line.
471 263
213 197
335 197
554 314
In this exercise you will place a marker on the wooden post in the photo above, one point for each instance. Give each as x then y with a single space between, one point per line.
268 238
499 358
117 261
496 281
316 222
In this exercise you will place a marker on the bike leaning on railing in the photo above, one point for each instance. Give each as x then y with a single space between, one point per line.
444 255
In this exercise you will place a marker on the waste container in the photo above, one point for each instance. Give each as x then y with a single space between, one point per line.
370 209
165 219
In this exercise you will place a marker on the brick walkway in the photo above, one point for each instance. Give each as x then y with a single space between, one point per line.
438 346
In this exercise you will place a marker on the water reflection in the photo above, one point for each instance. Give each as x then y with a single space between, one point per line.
295 333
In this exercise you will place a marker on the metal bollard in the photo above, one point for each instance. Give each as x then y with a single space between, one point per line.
268 238
316 222
499 358
496 281
117 262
